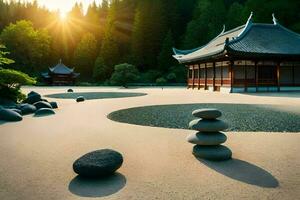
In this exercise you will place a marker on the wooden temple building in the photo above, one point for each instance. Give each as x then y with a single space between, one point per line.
250 58
60 75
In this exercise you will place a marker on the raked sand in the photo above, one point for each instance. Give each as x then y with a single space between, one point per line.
37 153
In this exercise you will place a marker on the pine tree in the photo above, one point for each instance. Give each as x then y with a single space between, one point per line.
85 55
165 59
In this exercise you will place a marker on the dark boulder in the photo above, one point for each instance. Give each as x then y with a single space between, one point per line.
44 112
80 99
54 105
98 163
33 97
42 104
70 90
27 109
10 115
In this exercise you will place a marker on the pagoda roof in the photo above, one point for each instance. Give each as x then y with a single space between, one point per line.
253 39
60 68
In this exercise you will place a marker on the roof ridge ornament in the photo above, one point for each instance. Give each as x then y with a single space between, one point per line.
274 19
224 28
250 19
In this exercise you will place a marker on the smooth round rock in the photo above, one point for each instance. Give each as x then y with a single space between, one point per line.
33 97
204 125
16 110
207 138
45 100
42 104
54 105
215 153
27 109
44 112
80 99
70 90
10 115
207 113
98 163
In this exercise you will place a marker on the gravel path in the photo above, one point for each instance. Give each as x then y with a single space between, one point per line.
95 95
241 117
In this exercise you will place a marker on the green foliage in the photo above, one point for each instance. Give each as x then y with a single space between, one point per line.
10 83
124 74
161 81
28 47
150 76
101 70
3 59
85 55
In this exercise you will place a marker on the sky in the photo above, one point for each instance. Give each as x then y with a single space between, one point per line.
64 5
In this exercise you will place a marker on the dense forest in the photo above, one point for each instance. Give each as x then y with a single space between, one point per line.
139 32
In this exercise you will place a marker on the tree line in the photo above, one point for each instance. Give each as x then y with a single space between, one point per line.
139 32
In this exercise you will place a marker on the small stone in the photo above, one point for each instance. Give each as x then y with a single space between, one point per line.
44 112
54 105
42 104
80 99
98 163
207 138
70 90
204 125
215 153
207 113
27 109
10 115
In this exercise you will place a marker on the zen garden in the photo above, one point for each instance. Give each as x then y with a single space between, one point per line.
149 99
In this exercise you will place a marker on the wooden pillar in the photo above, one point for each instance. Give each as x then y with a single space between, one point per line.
198 76
256 76
205 87
222 74
214 76
278 76
231 74
188 77
294 83
193 76
246 78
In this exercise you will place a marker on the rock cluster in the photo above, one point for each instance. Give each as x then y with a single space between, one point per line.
32 104
209 137
98 163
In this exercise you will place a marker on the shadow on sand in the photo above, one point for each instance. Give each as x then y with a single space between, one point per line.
243 171
97 187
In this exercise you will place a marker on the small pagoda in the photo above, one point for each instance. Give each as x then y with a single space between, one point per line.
60 75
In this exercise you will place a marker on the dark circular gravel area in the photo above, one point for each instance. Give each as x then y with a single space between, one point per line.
95 95
240 117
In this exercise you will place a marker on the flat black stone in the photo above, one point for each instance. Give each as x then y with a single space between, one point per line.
42 104
207 113
211 138
98 163
44 112
54 105
216 153
70 90
80 99
10 115
205 125
17 110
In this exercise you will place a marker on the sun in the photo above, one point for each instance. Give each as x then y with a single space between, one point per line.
63 15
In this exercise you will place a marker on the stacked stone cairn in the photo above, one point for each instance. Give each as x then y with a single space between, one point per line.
209 137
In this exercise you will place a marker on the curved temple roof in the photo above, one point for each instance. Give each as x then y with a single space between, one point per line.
249 39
